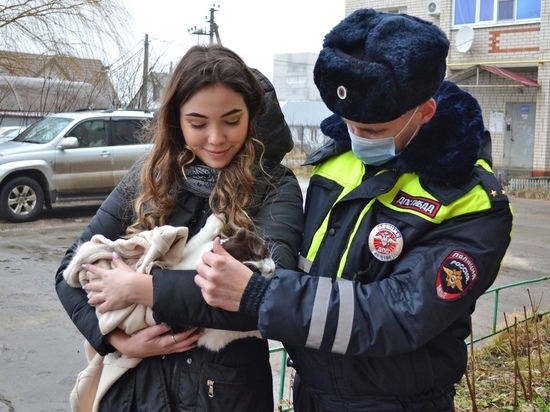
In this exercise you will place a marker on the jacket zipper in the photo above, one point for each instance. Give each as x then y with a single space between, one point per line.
210 384
175 381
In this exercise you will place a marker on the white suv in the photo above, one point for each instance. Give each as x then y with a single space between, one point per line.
68 156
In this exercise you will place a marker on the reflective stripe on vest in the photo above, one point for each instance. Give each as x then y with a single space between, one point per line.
344 289
347 171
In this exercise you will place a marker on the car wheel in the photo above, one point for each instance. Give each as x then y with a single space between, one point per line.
21 200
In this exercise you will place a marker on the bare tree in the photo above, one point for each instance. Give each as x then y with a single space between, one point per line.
53 50
126 74
82 28
50 36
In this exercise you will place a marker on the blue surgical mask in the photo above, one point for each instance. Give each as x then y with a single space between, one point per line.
375 152
372 152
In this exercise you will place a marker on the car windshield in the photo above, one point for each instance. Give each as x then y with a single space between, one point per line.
43 131
12 133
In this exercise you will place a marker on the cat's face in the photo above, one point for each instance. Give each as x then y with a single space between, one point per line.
251 250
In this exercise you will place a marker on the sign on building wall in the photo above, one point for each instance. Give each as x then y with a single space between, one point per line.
496 122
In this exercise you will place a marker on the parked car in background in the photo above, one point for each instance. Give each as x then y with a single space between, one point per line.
7 133
68 156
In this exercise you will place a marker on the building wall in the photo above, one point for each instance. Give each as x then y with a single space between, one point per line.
293 77
520 47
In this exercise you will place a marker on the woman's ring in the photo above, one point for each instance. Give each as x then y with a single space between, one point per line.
174 339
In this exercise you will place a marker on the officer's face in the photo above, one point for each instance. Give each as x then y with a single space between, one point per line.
403 129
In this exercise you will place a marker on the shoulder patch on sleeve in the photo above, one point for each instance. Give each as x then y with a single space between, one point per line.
455 276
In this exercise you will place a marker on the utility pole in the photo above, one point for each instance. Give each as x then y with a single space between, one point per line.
213 30
214 26
145 73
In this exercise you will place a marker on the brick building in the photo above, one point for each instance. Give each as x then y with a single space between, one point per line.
500 53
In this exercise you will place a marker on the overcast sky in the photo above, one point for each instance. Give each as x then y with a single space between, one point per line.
256 30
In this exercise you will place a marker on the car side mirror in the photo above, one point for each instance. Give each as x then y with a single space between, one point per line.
69 143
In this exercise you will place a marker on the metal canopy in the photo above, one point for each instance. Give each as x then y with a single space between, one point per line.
518 79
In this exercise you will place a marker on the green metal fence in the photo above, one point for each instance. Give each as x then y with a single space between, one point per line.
284 384
496 291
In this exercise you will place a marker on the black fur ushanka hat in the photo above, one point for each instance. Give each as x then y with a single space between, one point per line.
376 66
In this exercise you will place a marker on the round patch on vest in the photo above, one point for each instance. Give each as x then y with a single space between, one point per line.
456 275
385 242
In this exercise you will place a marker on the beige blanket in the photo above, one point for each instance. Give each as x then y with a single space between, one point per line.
160 247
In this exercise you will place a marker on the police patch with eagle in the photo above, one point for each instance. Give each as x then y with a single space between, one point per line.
456 275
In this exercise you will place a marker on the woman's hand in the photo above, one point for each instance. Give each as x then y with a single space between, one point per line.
222 278
119 287
154 340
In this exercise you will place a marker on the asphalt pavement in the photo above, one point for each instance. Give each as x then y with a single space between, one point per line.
41 350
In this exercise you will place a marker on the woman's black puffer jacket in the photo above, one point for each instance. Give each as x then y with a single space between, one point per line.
238 377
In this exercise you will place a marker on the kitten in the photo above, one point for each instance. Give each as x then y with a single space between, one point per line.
250 249
245 246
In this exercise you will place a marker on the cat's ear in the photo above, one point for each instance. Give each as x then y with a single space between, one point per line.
241 234
260 246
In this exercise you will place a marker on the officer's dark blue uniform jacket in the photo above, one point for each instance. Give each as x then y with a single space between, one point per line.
397 257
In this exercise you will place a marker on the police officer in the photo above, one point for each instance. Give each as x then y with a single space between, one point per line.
406 227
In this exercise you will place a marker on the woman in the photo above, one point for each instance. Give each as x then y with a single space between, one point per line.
207 158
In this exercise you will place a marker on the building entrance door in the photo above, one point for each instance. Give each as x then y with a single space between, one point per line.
519 135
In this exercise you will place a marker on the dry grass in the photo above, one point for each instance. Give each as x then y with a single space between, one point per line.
511 371
530 194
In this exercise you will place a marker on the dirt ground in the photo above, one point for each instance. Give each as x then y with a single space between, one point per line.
41 350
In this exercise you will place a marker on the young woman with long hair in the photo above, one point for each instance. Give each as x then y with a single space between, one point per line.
217 146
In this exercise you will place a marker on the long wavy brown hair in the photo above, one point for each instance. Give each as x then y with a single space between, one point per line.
201 67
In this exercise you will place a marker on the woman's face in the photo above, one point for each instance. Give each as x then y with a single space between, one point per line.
214 122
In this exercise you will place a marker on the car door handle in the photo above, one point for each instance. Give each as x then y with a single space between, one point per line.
105 153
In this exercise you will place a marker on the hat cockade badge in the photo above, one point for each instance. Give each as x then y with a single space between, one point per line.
341 92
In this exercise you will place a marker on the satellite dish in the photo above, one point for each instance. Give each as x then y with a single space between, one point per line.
464 39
